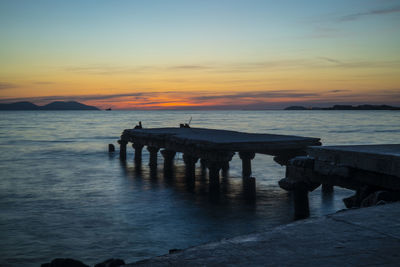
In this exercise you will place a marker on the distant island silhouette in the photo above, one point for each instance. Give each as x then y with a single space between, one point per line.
346 107
57 105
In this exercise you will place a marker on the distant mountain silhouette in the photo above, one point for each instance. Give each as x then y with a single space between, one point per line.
19 106
296 108
71 105
58 105
346 107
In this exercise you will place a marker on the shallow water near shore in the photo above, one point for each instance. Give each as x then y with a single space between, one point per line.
63 195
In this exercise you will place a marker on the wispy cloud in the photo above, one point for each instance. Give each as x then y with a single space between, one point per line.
190 67
338 91
257 95
235 67
376 12
330 25
100 69
335 63
6 85
43 83
331 60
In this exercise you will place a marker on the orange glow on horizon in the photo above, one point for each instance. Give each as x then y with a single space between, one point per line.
232 100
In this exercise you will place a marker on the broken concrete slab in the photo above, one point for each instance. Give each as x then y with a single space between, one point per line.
375 158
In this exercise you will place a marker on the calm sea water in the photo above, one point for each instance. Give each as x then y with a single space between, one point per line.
63 195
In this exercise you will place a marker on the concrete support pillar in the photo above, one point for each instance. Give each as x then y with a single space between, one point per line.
190 165
111 148
225 169
203 165
301 205
190 171
213 173
246 158
327 188
168 158
153 155
122 149
138 152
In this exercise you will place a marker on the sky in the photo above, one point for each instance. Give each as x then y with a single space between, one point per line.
208 54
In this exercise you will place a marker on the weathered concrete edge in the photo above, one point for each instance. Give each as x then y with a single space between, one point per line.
365 220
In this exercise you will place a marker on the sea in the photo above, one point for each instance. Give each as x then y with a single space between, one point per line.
62 195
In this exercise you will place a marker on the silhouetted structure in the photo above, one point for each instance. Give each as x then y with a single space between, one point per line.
215 148
111 148
372 170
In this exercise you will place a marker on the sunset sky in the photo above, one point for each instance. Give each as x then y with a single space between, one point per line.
206 54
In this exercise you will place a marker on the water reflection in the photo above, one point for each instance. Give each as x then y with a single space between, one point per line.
153 173
57 177
193 184
138 168
193 181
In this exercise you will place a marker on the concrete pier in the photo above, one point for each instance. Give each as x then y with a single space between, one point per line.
373 171
361 237
214 148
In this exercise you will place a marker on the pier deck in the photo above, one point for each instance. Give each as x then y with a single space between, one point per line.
221 140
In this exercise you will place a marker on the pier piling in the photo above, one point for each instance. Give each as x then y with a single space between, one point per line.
301 205
153 155
246 158
225 169
168 156
122 149
138 152
111 148
203 164
326 188
190 165
214 168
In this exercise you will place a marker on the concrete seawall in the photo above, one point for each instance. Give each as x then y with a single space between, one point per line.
356 237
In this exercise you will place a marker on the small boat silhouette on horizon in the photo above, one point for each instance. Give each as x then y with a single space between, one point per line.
108 109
